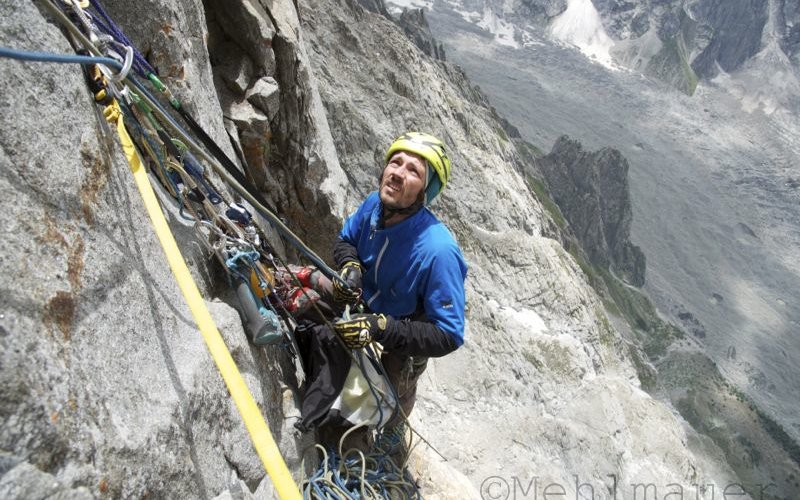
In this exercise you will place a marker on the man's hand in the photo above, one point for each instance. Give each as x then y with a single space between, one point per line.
361 329
351 275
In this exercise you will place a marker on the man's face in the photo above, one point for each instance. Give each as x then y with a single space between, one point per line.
403 180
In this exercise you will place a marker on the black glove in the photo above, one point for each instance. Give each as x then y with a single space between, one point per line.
361 329
351 275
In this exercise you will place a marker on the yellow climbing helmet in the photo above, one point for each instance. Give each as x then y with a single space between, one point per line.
433 150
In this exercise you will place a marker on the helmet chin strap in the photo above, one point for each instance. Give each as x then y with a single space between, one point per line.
387 213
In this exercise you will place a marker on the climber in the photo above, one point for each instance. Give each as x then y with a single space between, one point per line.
406 267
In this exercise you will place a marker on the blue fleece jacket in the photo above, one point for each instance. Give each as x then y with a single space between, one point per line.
415 265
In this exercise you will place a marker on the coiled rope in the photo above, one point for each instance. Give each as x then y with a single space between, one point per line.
352 474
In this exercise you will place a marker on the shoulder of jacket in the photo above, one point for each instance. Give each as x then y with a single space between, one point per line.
439 240
367 208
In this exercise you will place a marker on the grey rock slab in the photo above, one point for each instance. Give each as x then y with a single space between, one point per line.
265 95
27 482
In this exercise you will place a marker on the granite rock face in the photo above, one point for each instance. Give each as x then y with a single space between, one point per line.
107 387
538 9
416 27
789 24
591 189
736 33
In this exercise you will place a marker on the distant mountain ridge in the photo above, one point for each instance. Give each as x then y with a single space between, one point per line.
679 42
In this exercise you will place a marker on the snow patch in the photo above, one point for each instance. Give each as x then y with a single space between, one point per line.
580 25
397 6
503 32
526 319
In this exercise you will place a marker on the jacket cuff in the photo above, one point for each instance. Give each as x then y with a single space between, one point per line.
344 252
416 338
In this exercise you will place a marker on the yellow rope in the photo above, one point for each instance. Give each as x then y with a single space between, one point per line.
254 421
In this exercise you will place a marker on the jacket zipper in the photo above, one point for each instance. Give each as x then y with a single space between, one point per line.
377 266
372 299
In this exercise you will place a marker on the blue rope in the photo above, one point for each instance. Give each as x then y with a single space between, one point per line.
194 169
343 479
249 257
25 55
